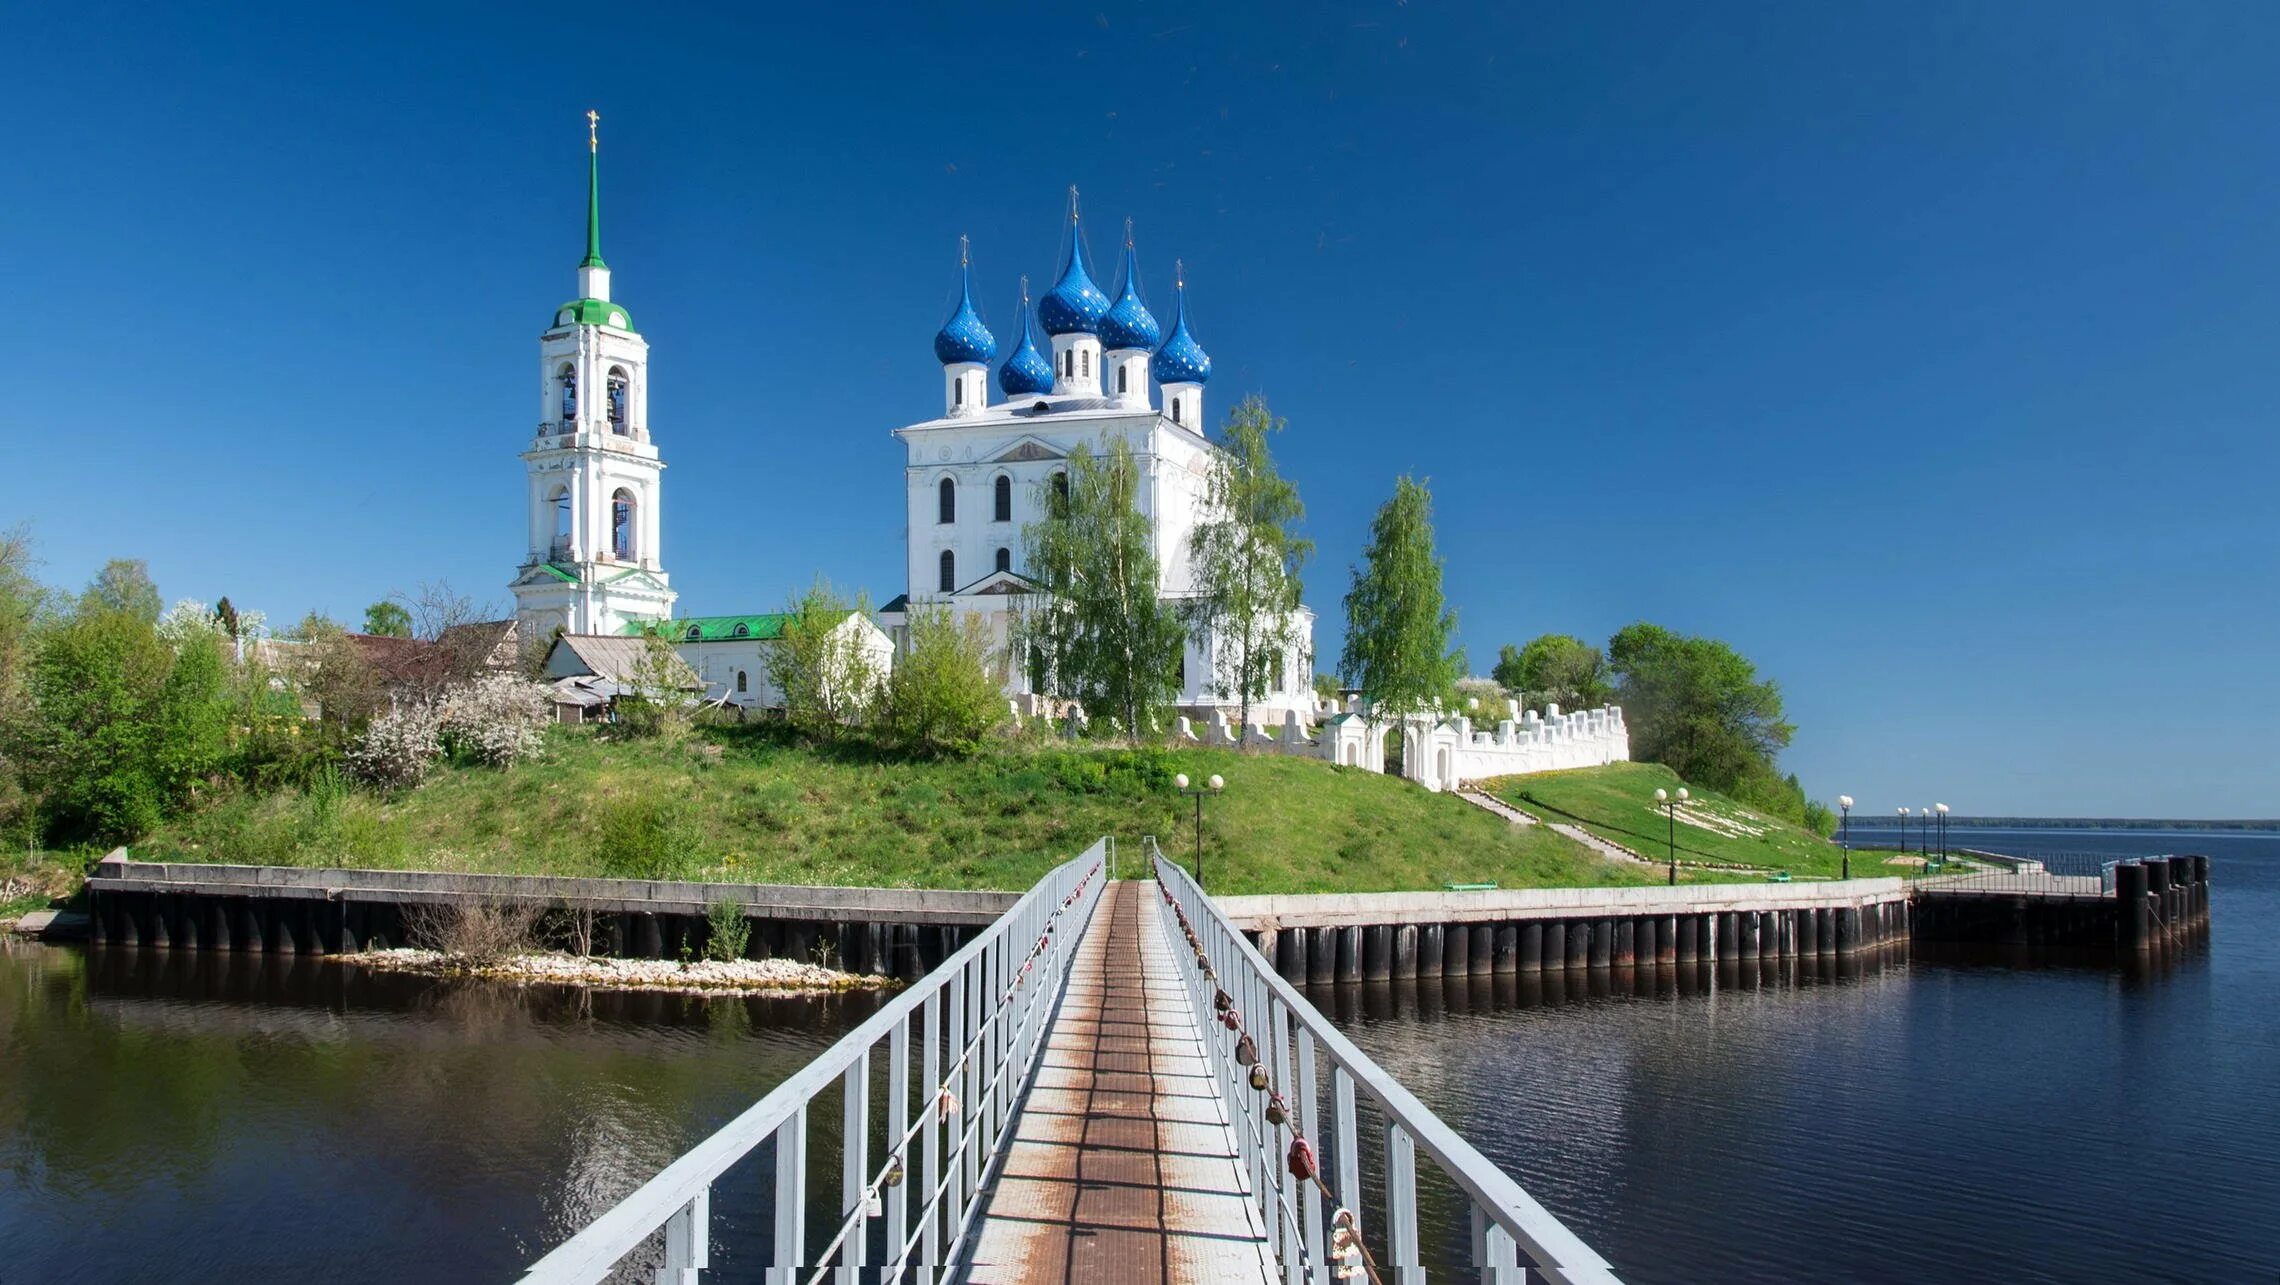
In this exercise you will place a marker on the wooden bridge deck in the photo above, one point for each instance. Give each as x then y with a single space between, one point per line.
1122 1166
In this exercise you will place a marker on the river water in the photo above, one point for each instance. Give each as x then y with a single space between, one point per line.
214 1118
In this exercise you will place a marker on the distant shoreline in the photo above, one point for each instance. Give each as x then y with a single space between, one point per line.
2073 823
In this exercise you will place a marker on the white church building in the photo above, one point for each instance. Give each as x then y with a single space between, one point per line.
977 473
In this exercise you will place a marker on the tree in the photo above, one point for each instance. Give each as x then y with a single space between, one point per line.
124 585
1246 561
1397 623
90 736
191 717
226 616
1555 669
434 609
1097 628
943 695
661 681
22 604
1697 706
388 619
334 673
819 664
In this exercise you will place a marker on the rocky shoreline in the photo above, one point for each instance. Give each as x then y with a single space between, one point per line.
698 976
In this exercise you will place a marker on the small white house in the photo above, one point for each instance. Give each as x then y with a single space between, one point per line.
730 653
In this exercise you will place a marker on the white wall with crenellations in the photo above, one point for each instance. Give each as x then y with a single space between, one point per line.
1437 751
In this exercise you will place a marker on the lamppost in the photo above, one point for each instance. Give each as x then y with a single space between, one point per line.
1669 806
1903 836
1941 808
1213 786
1844 829
1924 833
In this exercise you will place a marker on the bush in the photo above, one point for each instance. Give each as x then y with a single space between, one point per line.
474 933
941 695
648 839
397 748
728 930
498 720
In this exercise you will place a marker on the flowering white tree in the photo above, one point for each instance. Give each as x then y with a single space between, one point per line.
397 748
497 719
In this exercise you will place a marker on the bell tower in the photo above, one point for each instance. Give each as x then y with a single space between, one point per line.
593 564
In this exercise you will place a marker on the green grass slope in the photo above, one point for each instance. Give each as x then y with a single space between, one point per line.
741 804
1617 803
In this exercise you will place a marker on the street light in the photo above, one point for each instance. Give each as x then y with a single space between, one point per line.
1941 808
1903 835
1924 833
1844 829
1669 806
1212 786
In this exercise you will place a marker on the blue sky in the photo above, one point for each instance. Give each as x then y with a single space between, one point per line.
1924 352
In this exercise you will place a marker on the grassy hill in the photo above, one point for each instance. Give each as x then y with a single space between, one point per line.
743 804
1618 803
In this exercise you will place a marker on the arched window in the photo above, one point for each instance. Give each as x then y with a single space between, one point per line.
949 571
1278 683
559 545
1005 559
617 388
696 632
946 502
1175 410
1123 379
621 525
743 631
568 378
1061 487
740 680
1085 360
1001 499
958 392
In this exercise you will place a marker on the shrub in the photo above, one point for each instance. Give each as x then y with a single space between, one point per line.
473 933
647 839
397 748
497 719
941 695
728 930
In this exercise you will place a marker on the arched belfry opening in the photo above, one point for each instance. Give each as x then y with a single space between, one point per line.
624 513
619 391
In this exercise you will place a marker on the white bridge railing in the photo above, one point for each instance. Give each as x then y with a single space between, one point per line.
978 1022
1271 1051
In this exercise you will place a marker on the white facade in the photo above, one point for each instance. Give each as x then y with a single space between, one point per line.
977 475
735 670
1437 752
593 562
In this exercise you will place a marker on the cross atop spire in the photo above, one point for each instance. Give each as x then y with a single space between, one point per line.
1127 231
1072 203
593 257
965 256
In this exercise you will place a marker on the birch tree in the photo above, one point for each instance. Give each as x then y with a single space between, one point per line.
1097 628
1246 561
1397 621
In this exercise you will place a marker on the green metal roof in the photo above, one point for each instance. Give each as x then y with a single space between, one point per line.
593 210
593 312
720 628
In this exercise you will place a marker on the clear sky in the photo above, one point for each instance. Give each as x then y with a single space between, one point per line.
1924 351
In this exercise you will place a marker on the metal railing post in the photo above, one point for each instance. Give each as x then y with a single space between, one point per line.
854 1152
898 1123
930 1174
791 1193
1400 1199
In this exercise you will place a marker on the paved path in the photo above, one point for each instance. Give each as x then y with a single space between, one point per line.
1122 1166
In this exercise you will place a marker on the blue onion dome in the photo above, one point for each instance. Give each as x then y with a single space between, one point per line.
1129 324
1181 360
1026 370
964 337
1074 306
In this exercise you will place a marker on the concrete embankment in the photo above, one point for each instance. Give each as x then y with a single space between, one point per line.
1381 936
893 932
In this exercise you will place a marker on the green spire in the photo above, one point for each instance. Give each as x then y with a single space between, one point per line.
593 192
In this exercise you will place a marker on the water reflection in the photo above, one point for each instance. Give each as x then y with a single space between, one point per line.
232 1114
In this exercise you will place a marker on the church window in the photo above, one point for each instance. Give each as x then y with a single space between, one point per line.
617 388
559 547
1176 410
621 525
1278 683
1084 358
958 392
740 686
1181 677
743 631
946 502
568 378
1061 487
1005 559
696 633
1123 379
949 579
1001 499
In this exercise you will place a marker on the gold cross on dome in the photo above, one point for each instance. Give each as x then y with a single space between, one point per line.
593 130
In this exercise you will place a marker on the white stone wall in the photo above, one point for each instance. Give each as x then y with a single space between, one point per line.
718 662
1437 753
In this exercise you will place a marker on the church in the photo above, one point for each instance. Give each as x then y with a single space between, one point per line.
973 475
